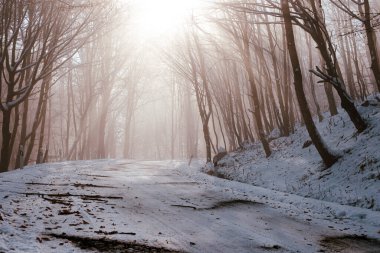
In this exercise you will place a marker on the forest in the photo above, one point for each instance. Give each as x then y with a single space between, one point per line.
78 83
189 126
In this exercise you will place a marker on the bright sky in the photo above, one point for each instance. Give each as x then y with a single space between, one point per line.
163 17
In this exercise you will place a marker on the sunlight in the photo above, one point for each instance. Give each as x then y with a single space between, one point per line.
163 17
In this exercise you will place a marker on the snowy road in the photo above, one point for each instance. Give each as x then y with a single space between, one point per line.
80 206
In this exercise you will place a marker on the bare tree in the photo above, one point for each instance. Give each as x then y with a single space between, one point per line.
309 16
241 31
327 156
35 42
193 68
364 13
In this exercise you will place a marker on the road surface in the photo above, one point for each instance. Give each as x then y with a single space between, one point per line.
134 206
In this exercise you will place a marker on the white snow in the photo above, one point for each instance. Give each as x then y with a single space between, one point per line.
163 204
354 180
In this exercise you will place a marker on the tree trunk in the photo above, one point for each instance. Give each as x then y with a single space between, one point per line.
312 85
329 56
347 62
40 156
328 157
246 55
284 120
6 139
372 44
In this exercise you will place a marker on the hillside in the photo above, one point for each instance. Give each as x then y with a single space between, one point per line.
354 180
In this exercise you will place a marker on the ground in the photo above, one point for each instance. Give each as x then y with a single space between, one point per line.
168 206
296 168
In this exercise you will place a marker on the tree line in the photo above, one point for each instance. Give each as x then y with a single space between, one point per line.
243 71
63 65
259 66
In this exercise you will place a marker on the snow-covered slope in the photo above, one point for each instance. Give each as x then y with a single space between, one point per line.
353 180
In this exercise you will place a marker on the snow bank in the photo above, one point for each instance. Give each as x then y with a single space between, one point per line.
354 180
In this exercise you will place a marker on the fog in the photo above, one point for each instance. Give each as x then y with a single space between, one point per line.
169 79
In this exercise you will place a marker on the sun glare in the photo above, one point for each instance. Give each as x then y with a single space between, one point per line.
163 17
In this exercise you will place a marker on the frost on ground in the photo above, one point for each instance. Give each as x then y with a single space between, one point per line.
167 206
295 166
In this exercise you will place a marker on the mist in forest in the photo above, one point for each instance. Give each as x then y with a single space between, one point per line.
157 80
